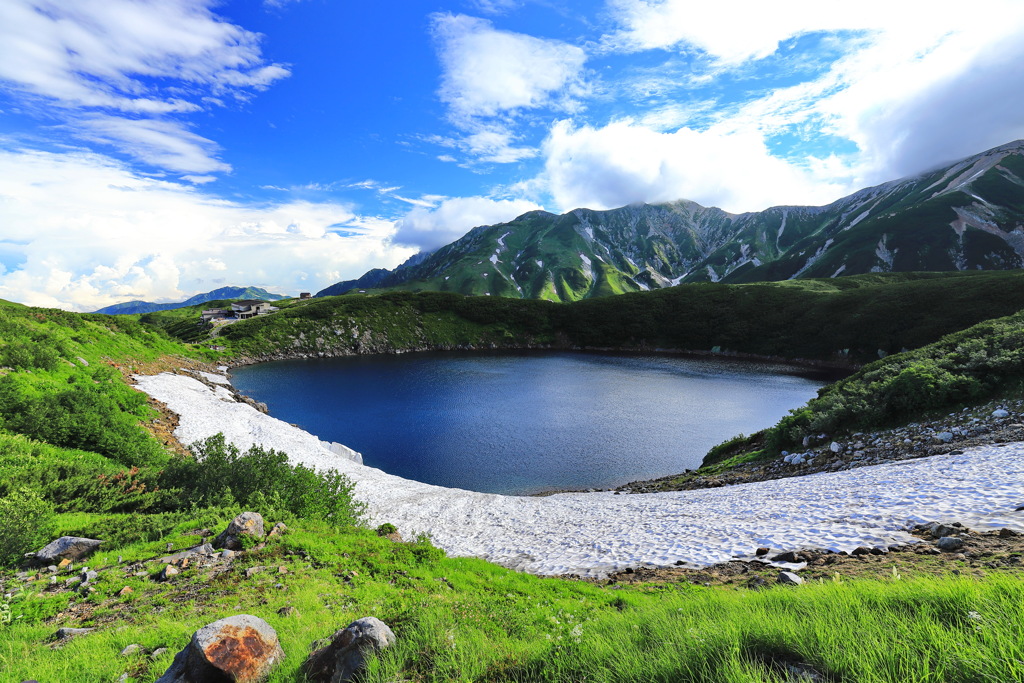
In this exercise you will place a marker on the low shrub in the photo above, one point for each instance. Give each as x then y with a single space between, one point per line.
26 526
263 480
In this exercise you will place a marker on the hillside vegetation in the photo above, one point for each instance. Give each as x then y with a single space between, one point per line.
844 319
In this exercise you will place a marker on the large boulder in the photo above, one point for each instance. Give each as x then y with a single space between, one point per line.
345 655
241 648
67 547
245 524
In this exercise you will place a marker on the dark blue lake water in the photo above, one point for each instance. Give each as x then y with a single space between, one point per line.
524 423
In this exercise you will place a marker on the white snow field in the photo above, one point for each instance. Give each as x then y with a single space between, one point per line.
594 533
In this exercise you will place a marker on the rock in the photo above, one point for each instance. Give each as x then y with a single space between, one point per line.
762 551
287 611
131 650
939 530
246 524
68 632
67 548
347 650
169 571
790 556
127 590
950 543
789 579
241 648
252 571
157 652
277 530
1000 413
227 554
1007 533
835 447
943 437
860 550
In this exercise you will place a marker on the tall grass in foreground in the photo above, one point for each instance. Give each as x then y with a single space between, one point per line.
467 620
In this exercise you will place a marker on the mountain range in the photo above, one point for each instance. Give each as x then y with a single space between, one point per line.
129 307
963 216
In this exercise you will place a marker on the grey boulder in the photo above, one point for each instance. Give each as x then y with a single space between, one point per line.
346 652
246 524
69 547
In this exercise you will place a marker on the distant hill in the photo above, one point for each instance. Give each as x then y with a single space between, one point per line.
129 307
967 215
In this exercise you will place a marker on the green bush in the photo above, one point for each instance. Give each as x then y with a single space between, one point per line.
97 413
261 479
27 524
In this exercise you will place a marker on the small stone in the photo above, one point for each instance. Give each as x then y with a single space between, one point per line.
282 570
227 554
157 652
1000 413
943 437
835 447
169 571
132 649
252 571
762 551
277 530
127 590
288 611
950 543
52 569
64 564
790 579
1007 533
790 556
68 632
861 550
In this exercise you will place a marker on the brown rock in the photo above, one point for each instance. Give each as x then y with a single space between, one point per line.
277 530
242 649
127 590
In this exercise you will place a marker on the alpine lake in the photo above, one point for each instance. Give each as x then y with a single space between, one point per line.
529 422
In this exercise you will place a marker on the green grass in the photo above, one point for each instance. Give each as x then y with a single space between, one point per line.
467 620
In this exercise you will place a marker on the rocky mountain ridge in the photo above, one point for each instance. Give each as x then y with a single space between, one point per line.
964 216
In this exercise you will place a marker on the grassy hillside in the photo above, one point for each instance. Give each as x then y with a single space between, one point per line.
75 460
850 318
466 620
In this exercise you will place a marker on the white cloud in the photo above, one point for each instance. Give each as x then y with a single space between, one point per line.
490 75
488 71
428 228
164 144
82 231
105 53
624 162
912 89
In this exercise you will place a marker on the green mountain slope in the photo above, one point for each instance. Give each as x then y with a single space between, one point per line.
965 216
133 307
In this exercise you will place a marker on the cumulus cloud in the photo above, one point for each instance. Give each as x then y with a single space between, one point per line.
488 75
82 231
429 228
909 89
624 162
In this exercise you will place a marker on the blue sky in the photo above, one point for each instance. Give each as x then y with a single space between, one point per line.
155 149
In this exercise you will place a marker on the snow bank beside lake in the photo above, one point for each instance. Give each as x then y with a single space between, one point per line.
593 533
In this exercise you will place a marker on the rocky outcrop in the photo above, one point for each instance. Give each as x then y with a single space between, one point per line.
247 524
345 653
241 648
